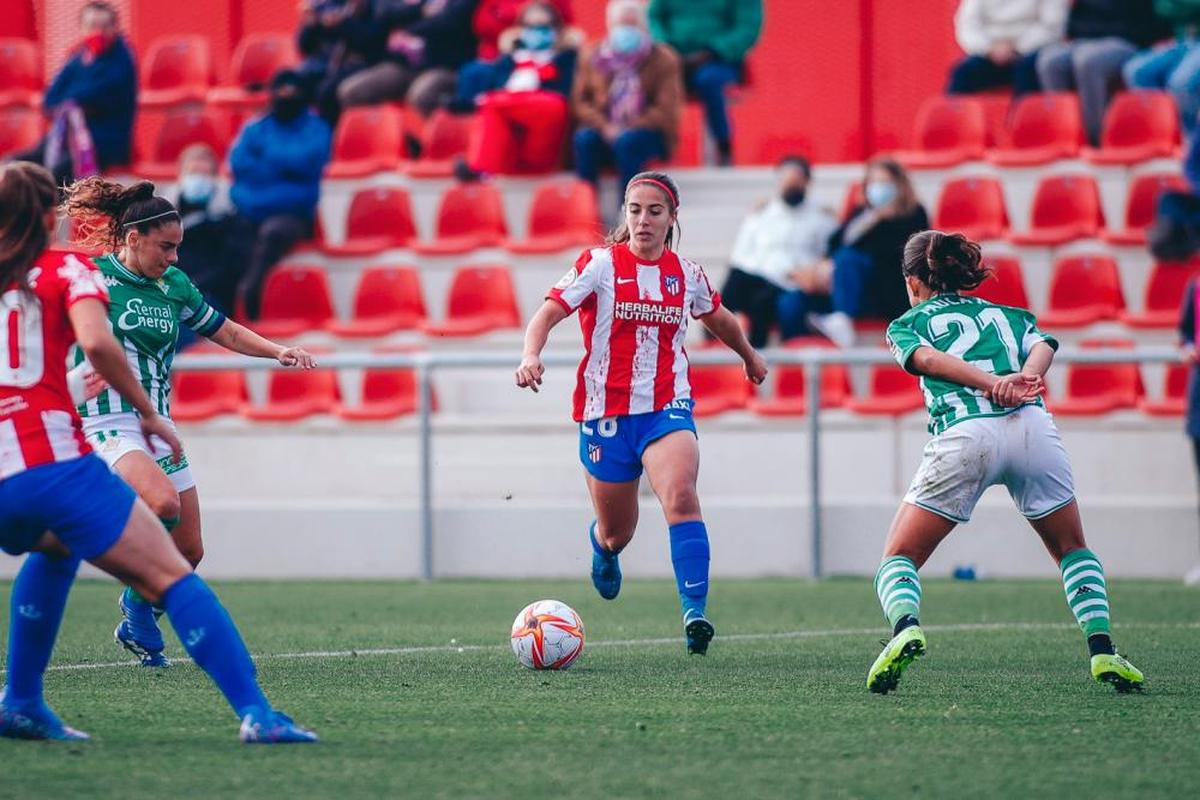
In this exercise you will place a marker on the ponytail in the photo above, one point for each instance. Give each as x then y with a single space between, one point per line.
105 211
945 262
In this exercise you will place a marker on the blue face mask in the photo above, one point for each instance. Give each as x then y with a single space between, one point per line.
626 38
880 193
197 188
538 37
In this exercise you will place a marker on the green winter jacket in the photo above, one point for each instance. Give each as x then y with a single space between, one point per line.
727 27
1183 14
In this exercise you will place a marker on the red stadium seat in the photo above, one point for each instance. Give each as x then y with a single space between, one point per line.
854 198
20 129
563 214
1044 127
719 388
20 73
1083 290
948 131
1142 204
181 129
1094 389
1006 285
257 57
379 219
369 139
482 299
176 69
387 393
1065 207
445 137
1138 126
893 392
1164 296
294 300
388 299
470 216
973 207
1173 403
294 394
202 395
790 397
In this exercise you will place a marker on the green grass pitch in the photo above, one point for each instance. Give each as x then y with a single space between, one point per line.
1002 706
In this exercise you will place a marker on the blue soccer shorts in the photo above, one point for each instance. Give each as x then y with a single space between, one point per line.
611 448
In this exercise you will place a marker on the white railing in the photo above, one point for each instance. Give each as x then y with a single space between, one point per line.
812 359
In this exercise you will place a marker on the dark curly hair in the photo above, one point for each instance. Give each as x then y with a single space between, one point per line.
104 211
945 262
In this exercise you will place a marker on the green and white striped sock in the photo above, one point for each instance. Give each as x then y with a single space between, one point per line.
899 588
1087 591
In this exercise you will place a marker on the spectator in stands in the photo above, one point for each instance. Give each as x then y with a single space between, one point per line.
216 239
1174 66
494 21
1001 39
523 120
713 36
337 39
1101 36
91 102
1188 344
627 98
861 279
788 234
422 45
277 163
1174 234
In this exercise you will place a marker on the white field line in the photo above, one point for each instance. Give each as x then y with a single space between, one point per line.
673 640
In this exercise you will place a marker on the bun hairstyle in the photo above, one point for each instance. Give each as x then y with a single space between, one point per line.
105 211
670 191
27 193
945 262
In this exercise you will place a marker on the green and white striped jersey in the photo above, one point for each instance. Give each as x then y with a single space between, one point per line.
996 339
145 316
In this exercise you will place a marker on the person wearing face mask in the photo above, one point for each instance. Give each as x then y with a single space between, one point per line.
859 280
523 120
216 238
93 97
277 163
787 234
627 98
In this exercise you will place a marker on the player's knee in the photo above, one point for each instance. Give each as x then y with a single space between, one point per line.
680 503
165 505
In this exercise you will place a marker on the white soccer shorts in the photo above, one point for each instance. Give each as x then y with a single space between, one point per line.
114 436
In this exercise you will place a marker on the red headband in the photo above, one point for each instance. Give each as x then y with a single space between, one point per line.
660 185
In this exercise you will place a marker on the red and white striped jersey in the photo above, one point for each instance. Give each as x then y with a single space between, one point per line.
634 316
38 421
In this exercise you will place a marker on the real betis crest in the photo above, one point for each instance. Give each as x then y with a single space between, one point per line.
163 285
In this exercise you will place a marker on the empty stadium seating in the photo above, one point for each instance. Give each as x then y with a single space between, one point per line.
948 131
892 392
1173 402
20 129
1138 126
175 70
386 394
482 299
790 386
1006 284
378 219
1094 389
198 396
469 216
444 137
1083 290
256 58
180 129
1163 296
368 139
972 206
293 394
718 389
294 300
1045 127
1140 206
388 299
20 73
1065 207
562 214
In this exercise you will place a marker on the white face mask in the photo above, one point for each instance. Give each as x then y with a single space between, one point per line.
196 187
880 193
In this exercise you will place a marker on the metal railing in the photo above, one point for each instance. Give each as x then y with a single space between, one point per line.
425 364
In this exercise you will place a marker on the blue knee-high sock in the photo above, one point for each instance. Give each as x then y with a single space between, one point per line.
212 640
39 598
689 555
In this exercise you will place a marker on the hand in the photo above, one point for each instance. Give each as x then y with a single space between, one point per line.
1002 53
803 278
529 374
1017 389
401 41
756 368
93 384
1188 354
610 132
296 357
155 425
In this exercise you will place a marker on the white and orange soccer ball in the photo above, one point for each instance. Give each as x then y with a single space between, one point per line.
547 634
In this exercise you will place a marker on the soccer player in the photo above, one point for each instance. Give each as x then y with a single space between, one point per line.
60 503
632 399
150 300
981 368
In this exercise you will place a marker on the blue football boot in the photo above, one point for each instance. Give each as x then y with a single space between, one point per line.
139 634
606 568
35 721
273 727
698 631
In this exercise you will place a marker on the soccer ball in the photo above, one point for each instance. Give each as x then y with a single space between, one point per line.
547 635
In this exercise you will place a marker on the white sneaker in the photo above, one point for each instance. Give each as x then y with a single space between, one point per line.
1193 577
838 327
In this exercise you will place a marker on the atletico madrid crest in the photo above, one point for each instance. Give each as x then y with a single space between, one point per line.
671 284
594 453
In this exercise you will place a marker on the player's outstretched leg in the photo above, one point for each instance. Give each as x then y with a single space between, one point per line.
690 558
1087 595
606 568
899 591
39 598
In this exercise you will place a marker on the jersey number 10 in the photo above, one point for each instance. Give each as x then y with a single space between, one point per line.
971 329
22 358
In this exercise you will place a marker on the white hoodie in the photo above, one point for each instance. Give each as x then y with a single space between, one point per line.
778 238
1027 24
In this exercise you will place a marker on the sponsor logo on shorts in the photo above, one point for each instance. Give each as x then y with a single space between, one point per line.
170 467
594 453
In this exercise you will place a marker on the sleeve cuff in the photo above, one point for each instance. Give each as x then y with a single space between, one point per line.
565 305
716 297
